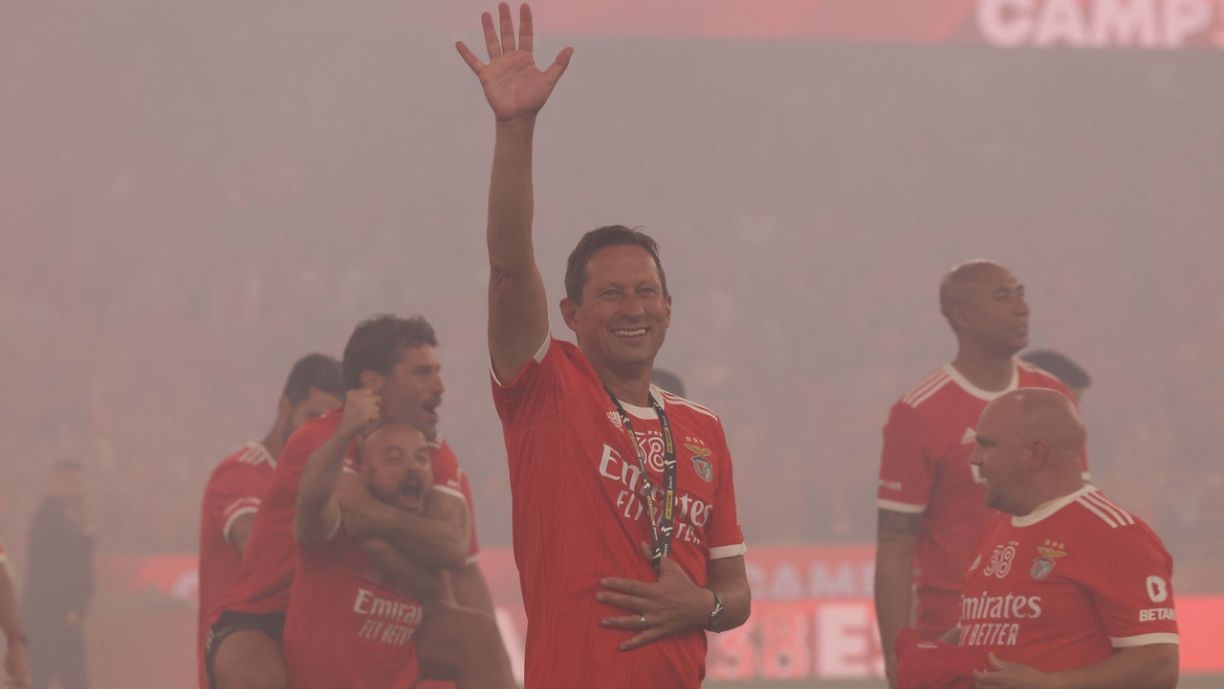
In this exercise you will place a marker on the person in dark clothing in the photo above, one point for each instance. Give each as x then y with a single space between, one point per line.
668 381
1063 368
59 582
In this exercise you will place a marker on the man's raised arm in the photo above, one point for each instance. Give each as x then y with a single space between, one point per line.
317 512
515 90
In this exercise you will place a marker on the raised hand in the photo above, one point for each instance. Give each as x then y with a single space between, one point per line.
512 84
362 410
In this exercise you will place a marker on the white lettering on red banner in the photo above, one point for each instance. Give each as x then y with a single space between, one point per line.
1153 24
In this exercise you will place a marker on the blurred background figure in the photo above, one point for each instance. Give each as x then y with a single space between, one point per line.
668 381
1062 367
59 581
16 666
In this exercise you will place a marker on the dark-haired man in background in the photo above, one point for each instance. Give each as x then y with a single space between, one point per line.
666 380
600 460
232 495
395 359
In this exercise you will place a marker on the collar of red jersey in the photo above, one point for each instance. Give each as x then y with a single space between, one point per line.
258 448
977 392
645 413
1047 509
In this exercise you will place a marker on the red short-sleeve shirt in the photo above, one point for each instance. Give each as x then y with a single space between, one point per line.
925 469
1065 586
579 515
346 626
234 489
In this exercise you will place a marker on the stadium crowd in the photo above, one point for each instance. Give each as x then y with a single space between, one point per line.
169 353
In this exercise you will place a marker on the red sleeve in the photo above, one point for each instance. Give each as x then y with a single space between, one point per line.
906 473
3 553
536 391
724 536
446 472
234 490
466 487
1131 584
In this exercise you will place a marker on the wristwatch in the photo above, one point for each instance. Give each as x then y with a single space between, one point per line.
717 613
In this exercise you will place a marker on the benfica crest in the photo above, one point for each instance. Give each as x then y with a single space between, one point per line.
701 465
1044 564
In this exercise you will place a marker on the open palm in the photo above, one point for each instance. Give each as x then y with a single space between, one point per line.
512 84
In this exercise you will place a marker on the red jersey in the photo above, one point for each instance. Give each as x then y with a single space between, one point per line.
935 664
267 570
925 469
346 626
1067 585
579 516
234 489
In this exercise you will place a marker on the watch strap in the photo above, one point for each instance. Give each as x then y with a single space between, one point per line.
717 613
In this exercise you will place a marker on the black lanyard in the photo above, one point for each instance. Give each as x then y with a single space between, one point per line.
662 521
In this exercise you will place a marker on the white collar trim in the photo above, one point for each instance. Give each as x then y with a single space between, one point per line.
977 392
1047 509
646 413
262 451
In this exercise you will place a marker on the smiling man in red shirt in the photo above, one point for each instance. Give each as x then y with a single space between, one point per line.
600 460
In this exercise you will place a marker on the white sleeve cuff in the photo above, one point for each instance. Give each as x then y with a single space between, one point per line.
904 507
452 492
229 523
1144 640
538 357
724 551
